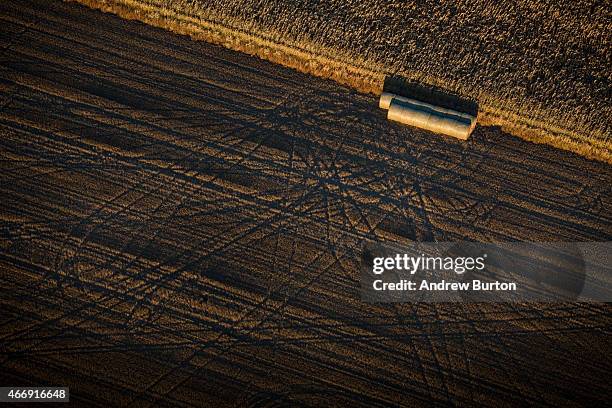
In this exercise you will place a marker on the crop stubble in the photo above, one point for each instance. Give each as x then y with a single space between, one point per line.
182 224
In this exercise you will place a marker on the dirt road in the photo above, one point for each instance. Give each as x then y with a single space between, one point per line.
181 225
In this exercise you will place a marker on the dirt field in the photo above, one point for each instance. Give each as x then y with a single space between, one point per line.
538 68
181 224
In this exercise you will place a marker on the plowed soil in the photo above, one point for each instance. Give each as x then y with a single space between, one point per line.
181 224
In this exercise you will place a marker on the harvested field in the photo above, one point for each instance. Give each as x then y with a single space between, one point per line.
181 224
540 69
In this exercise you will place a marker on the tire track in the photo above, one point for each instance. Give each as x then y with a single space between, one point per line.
190 220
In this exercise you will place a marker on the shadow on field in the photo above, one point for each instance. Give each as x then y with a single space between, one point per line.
430 94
